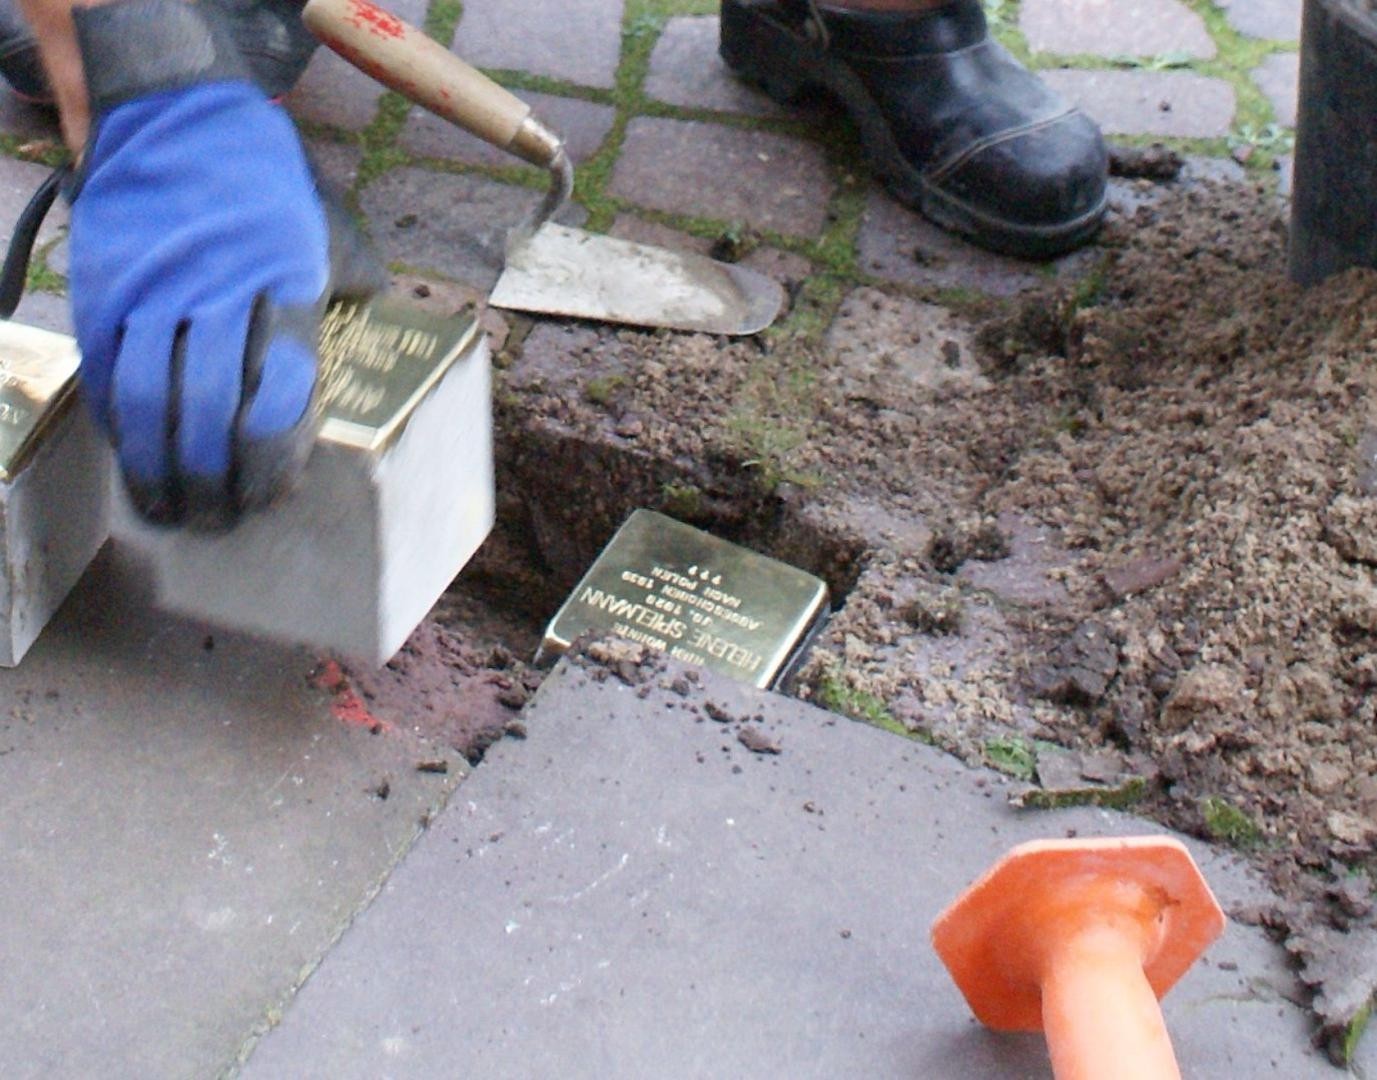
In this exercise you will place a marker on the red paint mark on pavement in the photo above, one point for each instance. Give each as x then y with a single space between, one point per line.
370 17
347 707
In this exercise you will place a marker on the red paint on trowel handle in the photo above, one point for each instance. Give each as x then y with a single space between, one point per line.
347 707
370 17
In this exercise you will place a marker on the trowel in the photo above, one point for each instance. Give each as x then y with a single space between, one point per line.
550 268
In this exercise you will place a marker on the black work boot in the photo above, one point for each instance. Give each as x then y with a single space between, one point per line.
953 125
269 33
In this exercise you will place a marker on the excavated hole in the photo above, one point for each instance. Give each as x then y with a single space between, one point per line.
562 499
470 667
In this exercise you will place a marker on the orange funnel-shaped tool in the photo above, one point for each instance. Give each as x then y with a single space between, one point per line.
1079 938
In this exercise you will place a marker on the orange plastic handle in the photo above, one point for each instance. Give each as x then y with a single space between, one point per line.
1100 1016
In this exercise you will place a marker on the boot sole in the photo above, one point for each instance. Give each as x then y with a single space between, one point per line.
795 73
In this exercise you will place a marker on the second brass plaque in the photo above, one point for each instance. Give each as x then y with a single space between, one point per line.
696 597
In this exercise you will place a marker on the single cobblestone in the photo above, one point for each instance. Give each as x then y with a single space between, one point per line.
899 245
686 70
561 358
1175 103
878 341
456 226
757 178
1278 77
1278 20
1105 28
575 40
336 163
335 93
581 124
1031 572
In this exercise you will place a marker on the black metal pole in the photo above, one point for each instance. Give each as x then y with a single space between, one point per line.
1334 194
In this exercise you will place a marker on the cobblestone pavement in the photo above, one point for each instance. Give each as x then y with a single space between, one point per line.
669 146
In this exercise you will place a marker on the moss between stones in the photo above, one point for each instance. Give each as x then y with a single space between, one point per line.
601 391
1227 823
833 693
683 501
1354 1032
1012 754
1121 797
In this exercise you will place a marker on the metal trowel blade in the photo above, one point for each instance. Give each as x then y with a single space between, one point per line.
564 271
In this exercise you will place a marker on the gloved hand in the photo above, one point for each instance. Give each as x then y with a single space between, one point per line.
200 264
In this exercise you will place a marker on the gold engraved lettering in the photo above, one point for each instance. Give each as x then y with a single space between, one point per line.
377 361
14 415
632 634
723 649
621 608
674 578
653 600
705 605
711 603
638 580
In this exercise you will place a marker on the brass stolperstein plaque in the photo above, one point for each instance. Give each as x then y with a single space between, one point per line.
695 597
378 359
37 383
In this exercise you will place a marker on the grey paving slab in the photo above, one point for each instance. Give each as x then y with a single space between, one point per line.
1279 20
451 224
686 70
1101 28
186 829
1177 103
581 124
575 40
1278 77
46 310
630 893
754 177
897 244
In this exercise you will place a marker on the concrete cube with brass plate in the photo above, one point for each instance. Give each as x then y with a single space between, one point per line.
696 597
397 496
54 465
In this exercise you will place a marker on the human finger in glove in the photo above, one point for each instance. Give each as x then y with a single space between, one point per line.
200 263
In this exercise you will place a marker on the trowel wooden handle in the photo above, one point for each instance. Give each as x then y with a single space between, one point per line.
404 59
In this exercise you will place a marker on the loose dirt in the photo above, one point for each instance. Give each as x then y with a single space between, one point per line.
1117 536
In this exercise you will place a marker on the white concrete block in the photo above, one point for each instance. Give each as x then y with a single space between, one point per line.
54 509
396 498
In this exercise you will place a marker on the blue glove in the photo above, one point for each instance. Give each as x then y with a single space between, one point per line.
200 265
